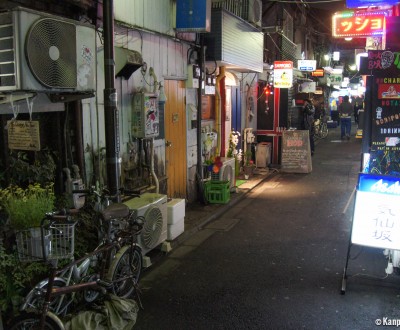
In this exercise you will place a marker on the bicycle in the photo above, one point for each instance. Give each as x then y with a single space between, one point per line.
320 128
120 278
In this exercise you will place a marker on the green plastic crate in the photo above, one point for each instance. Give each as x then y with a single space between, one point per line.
217 192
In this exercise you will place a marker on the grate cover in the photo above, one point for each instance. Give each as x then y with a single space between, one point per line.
152 228
51 53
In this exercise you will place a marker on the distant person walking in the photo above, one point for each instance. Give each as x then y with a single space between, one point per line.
345 111
308 121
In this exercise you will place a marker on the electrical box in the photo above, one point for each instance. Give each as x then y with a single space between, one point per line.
193 76
145 115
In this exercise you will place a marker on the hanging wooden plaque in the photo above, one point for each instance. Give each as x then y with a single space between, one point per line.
23 135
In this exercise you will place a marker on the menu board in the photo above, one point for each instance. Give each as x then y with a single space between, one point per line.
296 153
384 66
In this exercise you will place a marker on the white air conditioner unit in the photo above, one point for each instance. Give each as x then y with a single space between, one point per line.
43 53
255 12
227 171
153 208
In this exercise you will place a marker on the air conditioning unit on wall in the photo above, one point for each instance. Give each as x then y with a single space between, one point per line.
255 12
153 208
43 53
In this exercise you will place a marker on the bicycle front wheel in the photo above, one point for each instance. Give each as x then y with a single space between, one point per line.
125 271
31 321
324 131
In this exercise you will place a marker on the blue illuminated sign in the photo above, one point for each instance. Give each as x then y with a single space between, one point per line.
369 3
380 184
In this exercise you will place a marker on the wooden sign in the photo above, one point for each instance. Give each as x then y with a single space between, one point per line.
23 135
296 153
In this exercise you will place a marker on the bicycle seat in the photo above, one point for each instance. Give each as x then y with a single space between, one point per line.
117 210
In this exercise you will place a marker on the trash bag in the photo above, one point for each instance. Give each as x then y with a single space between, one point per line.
116 314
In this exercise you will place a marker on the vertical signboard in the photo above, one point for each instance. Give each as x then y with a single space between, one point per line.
384 68
376 220
283 74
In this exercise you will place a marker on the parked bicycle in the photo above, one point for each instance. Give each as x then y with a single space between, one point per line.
320 128
118 263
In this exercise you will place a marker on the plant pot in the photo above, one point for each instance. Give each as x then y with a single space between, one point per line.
248 170
246 176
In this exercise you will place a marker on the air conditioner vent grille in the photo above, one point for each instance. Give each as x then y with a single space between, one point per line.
51 53
153 226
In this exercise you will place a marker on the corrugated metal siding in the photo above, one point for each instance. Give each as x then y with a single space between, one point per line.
289 50
154 15
234 41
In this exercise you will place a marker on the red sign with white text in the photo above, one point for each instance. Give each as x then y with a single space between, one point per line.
389 91
358 23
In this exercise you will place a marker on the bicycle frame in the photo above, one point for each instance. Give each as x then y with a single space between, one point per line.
99 285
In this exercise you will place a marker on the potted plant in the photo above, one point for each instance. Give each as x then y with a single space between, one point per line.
248 166
233 152
25 209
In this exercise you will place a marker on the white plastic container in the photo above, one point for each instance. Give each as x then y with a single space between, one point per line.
175 210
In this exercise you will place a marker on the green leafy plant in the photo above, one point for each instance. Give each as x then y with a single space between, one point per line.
27 207
23 171
14 278
247 159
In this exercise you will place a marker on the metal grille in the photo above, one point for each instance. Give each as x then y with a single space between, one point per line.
7 52
152 228
51 53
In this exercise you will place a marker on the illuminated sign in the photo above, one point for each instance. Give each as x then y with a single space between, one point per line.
306 65
358 23
318 73
283 74
369 3
389 91
376 220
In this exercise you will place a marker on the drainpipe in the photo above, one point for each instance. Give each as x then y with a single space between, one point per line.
218 103
152 172
152 166
110 102
199 174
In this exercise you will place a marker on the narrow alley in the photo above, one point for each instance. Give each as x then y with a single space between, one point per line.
275 260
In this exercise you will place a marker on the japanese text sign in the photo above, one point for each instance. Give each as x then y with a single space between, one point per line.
358 23
376 220
306 65
283 74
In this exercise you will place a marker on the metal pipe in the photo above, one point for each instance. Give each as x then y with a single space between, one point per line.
110 102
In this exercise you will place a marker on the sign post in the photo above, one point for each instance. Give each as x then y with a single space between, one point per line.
376 218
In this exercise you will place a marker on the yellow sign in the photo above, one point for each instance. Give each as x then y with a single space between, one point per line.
23 135
283 74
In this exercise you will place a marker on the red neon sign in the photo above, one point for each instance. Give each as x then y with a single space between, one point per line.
358 23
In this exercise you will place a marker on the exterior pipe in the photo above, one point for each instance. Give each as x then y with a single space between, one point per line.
152 166
218 103
110 102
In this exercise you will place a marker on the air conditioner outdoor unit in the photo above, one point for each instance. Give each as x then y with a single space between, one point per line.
255 12
43 53
227 171
153 208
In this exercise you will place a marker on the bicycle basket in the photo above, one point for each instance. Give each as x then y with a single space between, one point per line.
59 242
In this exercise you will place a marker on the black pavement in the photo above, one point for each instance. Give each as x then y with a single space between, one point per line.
273 257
